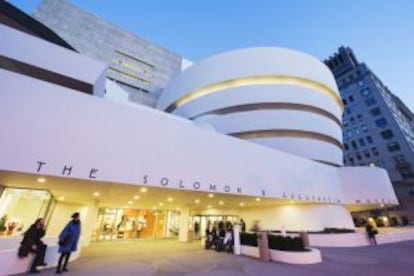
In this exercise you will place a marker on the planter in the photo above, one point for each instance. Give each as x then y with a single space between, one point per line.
313 256
251 251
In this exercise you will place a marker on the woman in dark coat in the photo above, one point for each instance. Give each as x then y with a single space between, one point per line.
68 242
32 243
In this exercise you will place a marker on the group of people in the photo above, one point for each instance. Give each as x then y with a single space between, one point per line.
68 242
219 235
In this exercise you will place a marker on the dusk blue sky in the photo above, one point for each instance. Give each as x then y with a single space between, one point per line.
381 32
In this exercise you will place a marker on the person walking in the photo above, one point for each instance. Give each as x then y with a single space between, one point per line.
68 242
371 232
32 243
242 225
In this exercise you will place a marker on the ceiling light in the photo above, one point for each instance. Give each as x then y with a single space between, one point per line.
170 199
208 206
61 198
382 205
161 204
292 201
143 190
197 201
96 194
241 204
221 202
154 207
257 199
210 195
136 197
130 202
41 180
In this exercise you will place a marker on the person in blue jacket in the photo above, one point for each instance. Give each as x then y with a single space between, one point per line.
68 242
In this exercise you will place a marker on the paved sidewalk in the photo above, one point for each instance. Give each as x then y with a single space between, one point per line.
174 258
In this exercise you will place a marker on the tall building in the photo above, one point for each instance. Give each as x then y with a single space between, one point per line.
140 67
377 125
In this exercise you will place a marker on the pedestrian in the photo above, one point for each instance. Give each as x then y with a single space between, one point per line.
371 232
32 243
242 225
68 242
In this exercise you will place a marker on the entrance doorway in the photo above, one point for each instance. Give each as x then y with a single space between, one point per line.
124 224
202 222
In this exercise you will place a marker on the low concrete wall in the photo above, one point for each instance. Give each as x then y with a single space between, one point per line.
313 256
250 251
359 238
12 264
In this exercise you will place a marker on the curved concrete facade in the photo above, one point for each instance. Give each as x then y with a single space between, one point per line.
271 96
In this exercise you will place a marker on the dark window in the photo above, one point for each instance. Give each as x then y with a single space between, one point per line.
361 142
354 144
344 101
387 134
403 167
360 117
374 151
351 99
393 146
381 122
346 146
369 140
376 111
365 92
367 154
358 156
345 123
352 119
348 110
370 101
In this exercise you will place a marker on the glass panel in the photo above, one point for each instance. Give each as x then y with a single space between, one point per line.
19 208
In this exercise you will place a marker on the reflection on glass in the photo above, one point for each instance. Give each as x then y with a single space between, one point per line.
119 224
19 208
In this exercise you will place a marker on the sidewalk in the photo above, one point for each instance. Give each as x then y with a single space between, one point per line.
174 258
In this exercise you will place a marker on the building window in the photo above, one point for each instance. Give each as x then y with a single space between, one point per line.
360 83
344 101
367 154
364 128
365 92
348 110
376 111
351 99
358 156
354 144
352 119
361 142
19 208
369 140
360 117
387 134
381 122
393 146
346 146
370 101
404 167
356 131
374 151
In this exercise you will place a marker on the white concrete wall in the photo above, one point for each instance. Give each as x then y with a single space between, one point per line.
246 63
54 125
296 217
43 54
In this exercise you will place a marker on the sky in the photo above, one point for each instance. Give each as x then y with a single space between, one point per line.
381 32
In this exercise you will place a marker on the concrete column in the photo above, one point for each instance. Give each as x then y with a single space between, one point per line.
263 246
236 235
183 235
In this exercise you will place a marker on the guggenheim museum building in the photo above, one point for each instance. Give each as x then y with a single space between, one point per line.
145 143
